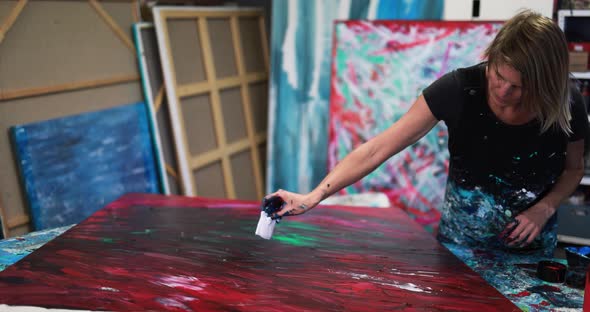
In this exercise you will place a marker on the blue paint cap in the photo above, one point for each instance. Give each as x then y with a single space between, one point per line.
578 260
271 206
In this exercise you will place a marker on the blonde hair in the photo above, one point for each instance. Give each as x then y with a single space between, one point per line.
535 46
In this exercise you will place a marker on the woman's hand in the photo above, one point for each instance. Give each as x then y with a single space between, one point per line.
529 224
295 204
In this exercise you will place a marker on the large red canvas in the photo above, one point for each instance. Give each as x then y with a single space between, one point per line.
150 252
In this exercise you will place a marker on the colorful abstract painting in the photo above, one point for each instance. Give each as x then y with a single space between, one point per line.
152 252
515 276
15 248
72 166
378 70
301 46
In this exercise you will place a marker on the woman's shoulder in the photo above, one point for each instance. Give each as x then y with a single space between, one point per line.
472 76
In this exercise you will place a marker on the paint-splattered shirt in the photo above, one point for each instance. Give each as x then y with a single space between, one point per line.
496 170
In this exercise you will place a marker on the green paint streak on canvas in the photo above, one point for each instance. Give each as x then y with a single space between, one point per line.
296 240
376 59
144 232
301 226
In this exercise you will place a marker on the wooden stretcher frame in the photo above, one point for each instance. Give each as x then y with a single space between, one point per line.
76 85
6 24
187 163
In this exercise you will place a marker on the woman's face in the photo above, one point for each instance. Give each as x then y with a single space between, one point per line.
504 85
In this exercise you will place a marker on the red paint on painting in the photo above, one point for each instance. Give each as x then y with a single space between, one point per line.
182 254
522 294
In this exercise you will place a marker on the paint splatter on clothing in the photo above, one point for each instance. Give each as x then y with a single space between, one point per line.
496 170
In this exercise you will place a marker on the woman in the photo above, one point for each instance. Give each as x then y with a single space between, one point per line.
516 141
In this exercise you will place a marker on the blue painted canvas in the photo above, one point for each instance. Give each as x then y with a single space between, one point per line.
301 46
72 166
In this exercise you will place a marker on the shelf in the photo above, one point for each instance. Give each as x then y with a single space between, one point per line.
585 180
573 240
581 75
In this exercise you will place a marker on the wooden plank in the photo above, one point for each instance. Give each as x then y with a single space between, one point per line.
218 154
196 88
135 10
171 172
71 86
112 24
264 39
191 13
159 98
247 107
18 221
260 137
216 105
209 157
178 129
16 10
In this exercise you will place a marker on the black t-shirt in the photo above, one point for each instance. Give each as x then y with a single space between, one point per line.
496 170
